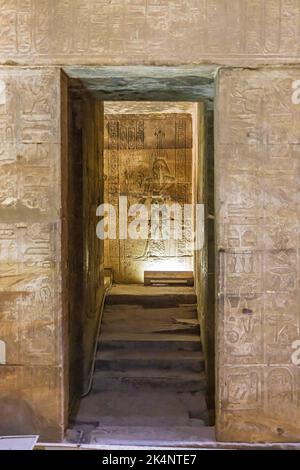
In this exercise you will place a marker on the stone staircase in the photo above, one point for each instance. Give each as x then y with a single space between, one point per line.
149 381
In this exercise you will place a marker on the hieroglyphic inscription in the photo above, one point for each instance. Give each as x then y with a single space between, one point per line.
30 231
148 158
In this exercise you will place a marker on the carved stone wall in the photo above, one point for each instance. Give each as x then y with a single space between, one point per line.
148 158
32 112
205 258
93 249
149 32
257 215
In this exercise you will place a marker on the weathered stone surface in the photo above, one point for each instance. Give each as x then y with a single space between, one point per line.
30 401
257 184
149 159
177 31
148 107
30 245
84 254
205 258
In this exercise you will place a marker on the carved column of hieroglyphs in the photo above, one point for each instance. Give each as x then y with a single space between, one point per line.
257 203
30 278
100 31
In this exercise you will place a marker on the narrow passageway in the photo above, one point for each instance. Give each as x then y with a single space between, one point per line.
149 380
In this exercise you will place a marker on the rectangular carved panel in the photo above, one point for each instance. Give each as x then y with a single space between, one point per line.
34 394
258 187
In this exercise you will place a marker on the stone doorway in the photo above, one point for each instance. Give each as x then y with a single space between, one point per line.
191 117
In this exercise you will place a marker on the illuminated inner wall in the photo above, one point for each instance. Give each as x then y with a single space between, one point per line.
148 157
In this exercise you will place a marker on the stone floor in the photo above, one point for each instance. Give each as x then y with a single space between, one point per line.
149 381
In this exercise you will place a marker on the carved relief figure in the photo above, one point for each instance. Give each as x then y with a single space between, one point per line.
149 160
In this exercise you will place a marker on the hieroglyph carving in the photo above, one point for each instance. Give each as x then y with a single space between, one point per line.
148 158
102 32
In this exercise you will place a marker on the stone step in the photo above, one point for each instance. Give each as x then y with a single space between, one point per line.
161 360
142 403
182 436
150 342
137 322
149 383
136 315
149 379
138 420
159 421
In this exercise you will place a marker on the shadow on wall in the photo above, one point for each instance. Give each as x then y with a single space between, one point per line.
16 414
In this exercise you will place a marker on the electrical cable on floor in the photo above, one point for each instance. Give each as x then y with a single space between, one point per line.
91 375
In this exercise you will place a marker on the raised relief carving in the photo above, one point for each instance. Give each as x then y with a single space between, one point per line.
8 33
2 92
30 203
242 390
2 352
8 250
241 236
258 250
37 109
281 271
282 326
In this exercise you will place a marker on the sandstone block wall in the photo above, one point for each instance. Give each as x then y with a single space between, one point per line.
148 159
83 190
257 218
205 258
149 32
257 194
